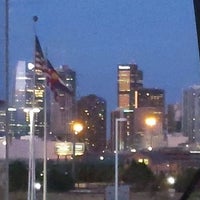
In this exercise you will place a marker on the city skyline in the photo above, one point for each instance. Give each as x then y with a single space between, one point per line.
94 37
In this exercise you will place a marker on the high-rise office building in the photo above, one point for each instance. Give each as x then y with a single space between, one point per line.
174 117
58 111
136 103
2 118
63 110
150 97
92 111
130 79
153 100
191 113
150 103
28 91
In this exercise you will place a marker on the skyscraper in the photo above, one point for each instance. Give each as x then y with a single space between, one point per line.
63 111
92 111
191 113
150 103
136 103
59 111
22 97
130 80
2 118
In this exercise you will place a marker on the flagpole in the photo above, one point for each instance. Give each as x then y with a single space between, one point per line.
45 145
7 98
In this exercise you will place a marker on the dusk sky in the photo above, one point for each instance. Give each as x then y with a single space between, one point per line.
94 36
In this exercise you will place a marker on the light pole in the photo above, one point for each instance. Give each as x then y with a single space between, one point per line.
77 128
150 122
117 120
31 171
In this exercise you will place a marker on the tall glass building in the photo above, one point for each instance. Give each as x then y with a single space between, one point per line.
129 81
135 103
60 111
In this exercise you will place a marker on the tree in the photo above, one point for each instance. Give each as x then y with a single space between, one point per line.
138 175
59 180
18 176
184 179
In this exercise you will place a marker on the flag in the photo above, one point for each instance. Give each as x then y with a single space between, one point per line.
197 20
39 56
53 78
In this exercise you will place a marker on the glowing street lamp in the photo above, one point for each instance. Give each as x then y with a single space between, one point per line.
77 128
150 122
171 180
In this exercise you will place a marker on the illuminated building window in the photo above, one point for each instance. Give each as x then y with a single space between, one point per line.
124 100
124 81
140 160
146 161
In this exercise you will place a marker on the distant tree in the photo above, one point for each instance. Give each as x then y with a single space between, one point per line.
18 176
59 180
98 172
138 175
184 179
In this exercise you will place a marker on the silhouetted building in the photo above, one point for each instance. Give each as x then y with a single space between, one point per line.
150 97
30 90
2 118
91 110
191 113
138 103
63 110
129 81
174 117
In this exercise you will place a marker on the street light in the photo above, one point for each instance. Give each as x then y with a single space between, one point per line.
31 174
117 120
77 128
151 122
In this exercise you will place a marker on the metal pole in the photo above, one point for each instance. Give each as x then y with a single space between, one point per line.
45 147
116 154
31 175
73 161
7 97
31 180
116 159
33 157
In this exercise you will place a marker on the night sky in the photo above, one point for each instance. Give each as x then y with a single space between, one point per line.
94 36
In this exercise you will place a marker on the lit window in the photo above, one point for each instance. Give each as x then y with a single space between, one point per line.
140 160
146 161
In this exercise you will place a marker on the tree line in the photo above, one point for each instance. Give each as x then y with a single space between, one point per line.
59 177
